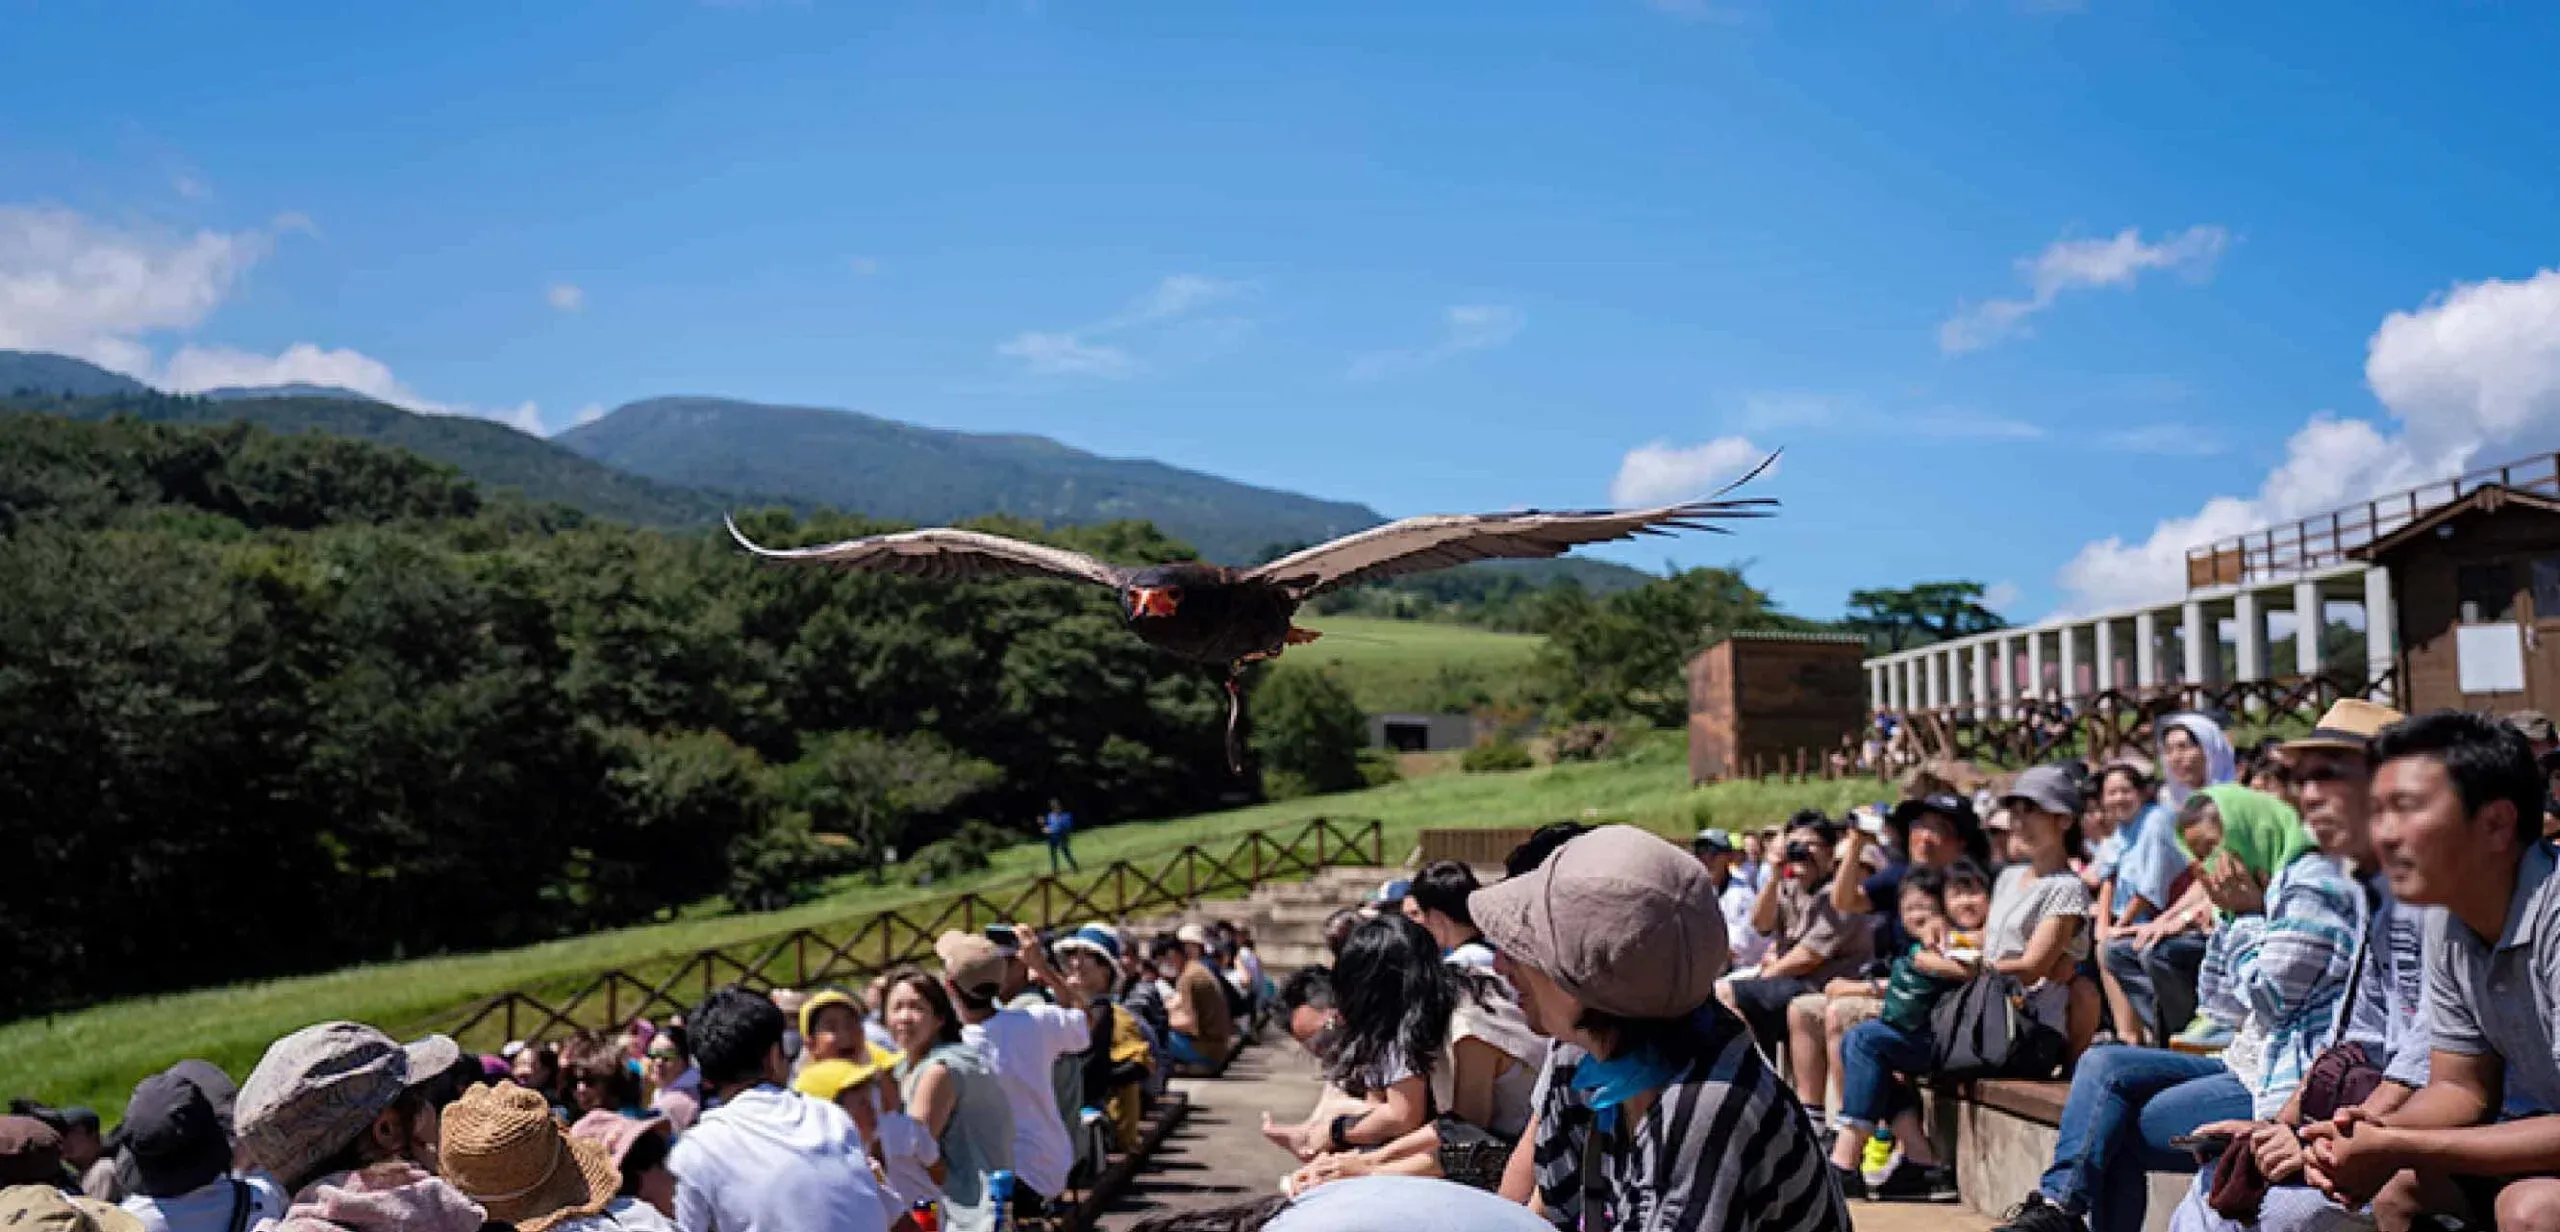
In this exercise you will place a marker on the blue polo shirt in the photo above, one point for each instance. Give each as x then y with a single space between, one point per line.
2503 996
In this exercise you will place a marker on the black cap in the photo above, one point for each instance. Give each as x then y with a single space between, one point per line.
175 1136
1944 803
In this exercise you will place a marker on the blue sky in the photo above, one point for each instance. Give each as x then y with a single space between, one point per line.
2006 279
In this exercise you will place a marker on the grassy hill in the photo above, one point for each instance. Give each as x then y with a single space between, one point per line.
96 1055
1404 665
39 373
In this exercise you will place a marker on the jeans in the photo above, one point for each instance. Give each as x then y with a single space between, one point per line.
2125 1105
1874 1056
1186 1051
1762 1004
2160 982
1058 847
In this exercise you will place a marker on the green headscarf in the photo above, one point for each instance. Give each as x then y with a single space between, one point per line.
2259 830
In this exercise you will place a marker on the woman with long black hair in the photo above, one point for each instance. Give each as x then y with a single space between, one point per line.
1436 1047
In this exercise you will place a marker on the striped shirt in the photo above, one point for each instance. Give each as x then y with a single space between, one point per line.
2390 987
2281 977
1725 1148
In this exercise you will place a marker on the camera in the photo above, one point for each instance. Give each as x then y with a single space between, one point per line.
1800 852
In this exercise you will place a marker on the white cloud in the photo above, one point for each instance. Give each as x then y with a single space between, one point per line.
102 293
1072 352
566 296
2067 265
2000 596
1463 328
1062 354
2475 369
590 413
1661 473
2166 439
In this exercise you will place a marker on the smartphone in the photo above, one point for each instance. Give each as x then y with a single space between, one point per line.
2206 1146
1003 936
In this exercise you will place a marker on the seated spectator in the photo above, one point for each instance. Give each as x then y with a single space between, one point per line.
1022 1046
50 1207
2456 823
502 1147
902 1151
1117 1059
1932 831
341 1098
1202 1027
537 1069
1365 1204
2282 954
599 1079
1447 1059
1812 942
1656 1106
639 1152
947 1086
1945 915
2331 769
1438 902
2138 867
675 1086
181 1157
764 1158
1735 896
1337 930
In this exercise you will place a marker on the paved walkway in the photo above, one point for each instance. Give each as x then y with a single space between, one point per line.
1218 1155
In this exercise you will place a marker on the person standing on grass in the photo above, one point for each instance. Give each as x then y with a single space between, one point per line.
1058 826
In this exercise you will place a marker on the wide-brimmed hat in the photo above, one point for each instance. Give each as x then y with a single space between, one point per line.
2049 788
175 1136
617 1133
2349 727
827 1079
502 1147
315 1090
1624 921
43 1208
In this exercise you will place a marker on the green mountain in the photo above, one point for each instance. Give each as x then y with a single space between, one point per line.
497 456
928 476
37 372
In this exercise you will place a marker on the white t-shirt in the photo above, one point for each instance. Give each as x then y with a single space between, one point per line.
1023 1047
1471 954
907 1156
1499 1024
620 1215
208 1209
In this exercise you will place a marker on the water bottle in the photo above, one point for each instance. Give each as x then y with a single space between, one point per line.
1000 1196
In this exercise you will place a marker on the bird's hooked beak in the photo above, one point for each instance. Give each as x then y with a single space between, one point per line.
1145 601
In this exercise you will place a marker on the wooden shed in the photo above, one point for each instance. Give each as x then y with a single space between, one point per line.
1767 696
2476 598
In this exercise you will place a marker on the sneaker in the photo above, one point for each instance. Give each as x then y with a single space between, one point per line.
2205 1035
1913 1183
1852 1186
1879 1156
2038 1214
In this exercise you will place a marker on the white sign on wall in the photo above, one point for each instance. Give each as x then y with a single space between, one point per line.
2491 657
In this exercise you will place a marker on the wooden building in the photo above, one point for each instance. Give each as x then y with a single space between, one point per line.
2477 586
1769 696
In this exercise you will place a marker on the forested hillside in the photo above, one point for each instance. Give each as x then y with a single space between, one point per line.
340 699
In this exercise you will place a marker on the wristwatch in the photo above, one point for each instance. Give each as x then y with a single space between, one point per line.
1342 1129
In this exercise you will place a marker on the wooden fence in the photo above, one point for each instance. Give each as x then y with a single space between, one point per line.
883 940
2117 721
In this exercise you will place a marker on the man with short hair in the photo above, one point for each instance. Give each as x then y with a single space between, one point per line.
765 1158
1437 901
1022 1045
2457 823
181 1155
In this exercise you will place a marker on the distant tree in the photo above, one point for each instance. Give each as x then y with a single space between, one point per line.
1307 732
868 787
1623 655
1925 613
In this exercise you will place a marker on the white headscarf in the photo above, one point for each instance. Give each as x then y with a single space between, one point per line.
2220 764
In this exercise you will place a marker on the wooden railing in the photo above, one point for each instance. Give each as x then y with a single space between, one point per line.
2330 538
2119 720
883 940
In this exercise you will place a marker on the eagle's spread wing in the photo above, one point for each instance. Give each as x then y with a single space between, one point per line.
945 555
1419 545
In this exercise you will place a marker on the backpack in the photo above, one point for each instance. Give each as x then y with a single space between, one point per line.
1982 1031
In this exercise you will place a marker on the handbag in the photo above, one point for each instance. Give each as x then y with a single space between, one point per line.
2344 1075
1982 1030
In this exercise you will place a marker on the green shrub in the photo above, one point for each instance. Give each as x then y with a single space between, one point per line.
1497 757
969 849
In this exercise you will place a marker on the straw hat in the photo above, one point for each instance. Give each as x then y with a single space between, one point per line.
502 1147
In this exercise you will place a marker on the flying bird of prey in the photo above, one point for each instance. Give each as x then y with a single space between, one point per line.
1232 617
